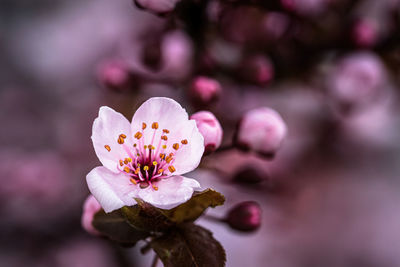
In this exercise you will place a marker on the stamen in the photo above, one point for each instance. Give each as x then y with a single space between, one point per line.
168 159
155 187
171 169
107 147
138 135
184 142
154 125
164 146
144 126
155 163
133 181
134 145
137 170
146 168
120 139
126 169
165 131
164 137
122 135
160 171
126 161
175 146
145 147
162 155
121 163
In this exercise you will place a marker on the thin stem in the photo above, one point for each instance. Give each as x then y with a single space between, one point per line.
155 261
213 218
224 148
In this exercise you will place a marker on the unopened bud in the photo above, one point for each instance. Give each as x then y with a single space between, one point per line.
90 208
114 75
245 217
261 130
160 7
205 90
257 69
364 33
210 128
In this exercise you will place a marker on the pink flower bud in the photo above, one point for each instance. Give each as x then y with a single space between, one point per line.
261 130
114 75
90 208
245 217
210 128
257 69
365 33
205 90
357 80
157 6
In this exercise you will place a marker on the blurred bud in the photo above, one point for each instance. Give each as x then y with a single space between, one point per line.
250 175
114 75
90 208
306 7
257 69
261 130
275 24
205 90
357 81
364 33
210 128
157 6
245 217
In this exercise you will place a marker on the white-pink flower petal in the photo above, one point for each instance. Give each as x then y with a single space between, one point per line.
112 190
168 114
107 128
171 192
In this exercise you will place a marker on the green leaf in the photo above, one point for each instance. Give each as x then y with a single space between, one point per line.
146 217
114 226
189 246
194 207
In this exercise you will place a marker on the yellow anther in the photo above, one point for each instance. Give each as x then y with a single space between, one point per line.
138 164
134 145
107 147
164 146
145 147
133 181
138 135
155 163
127 170
184 142
155 187
152 147
164 137
175 146
171 169
121 163
129 159
144 126
154 125
165 131
160 171
146 168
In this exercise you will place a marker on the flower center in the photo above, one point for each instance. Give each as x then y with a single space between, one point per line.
148 162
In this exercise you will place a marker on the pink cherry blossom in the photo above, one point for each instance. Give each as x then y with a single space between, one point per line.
210 128
261 130
90 208
145 158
